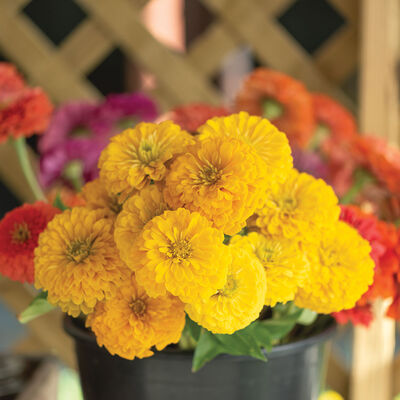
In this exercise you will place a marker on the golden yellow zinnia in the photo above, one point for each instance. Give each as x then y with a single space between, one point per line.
330 395
223 179
137 211
298 207
271 144
131 323
285 264
239 302
341 269
181 253
77 261
138 156
97 198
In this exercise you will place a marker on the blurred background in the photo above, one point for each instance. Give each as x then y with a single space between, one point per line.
177 51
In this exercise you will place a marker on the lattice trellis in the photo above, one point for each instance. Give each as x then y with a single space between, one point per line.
181 78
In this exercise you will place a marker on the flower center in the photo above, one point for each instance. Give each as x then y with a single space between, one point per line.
21 233
266 255
209 175
180 250
229 288
148 151
79 250
138 306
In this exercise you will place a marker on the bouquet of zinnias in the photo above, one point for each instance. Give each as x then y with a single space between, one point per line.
212 241
199 240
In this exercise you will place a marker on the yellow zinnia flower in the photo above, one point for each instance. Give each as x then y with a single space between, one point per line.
131 323
96 197
223 179
271 144
298 207
137 156
181 253
77 261
330 395
341 269
285 264
239 302
137 211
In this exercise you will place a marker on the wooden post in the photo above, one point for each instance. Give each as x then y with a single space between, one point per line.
372 374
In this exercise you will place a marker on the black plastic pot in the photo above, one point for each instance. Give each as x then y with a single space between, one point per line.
293 372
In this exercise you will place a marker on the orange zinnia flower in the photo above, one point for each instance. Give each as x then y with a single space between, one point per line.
19 232
69 197
334 117
296 118
381 159
10 80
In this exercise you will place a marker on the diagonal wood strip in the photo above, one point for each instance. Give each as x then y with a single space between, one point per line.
86 47
123 24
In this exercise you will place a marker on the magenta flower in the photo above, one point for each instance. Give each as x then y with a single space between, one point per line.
80 130
312 163
70 120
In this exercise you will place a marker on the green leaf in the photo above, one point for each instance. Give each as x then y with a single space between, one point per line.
280 327
59 203
193 328
239 343
38 307
307 317
261 334
207 348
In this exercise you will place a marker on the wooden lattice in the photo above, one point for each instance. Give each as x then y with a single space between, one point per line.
180 77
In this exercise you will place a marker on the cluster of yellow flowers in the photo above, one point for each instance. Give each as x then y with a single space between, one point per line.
150 244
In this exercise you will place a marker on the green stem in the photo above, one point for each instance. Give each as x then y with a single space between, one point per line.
23 157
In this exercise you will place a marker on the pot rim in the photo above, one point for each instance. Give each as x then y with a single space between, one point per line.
72 328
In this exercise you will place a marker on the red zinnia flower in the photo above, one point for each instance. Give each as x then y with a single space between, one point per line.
191 116
394 309
19 232
383 240
359 315
23 110
297 115
367 226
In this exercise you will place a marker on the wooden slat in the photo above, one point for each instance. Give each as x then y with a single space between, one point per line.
372 374
272 8
379 79
373 350
342 46
207 52
120 20
86 47
348 8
